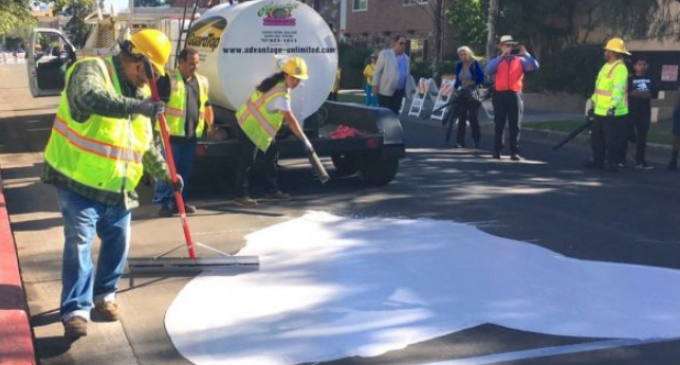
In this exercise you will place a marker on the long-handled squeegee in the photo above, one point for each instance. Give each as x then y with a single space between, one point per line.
162 265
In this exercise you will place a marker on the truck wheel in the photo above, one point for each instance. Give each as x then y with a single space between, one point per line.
345 164
379 172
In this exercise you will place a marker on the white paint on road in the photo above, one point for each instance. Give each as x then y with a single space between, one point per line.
331 287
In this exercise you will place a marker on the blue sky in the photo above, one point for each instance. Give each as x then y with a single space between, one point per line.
118 4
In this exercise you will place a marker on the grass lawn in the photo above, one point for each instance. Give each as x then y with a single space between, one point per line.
659 133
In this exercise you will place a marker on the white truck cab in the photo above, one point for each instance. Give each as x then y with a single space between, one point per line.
48 56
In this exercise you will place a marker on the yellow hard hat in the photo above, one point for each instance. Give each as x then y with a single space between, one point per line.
617 45
153 44
296 67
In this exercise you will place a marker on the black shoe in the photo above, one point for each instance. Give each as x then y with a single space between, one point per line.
644 166
611 168
516 157
458 145
188 208
496 156
165 211
593 165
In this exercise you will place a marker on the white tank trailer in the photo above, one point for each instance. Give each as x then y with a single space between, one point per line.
237 44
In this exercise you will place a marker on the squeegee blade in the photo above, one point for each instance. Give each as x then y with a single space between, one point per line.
182 265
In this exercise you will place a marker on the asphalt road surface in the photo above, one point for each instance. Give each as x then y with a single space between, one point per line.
548 200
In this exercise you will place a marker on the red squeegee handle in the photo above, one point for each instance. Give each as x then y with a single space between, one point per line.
179 200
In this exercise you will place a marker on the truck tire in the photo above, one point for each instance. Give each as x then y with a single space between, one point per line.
345 164
377 171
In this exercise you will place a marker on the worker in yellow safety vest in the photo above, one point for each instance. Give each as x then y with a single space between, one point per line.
610 109
100 145
260 119
187 112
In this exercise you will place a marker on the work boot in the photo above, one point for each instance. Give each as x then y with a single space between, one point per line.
165 211
75 328
278 196
188 208
108 311
611 168
593 165
644 166
245 202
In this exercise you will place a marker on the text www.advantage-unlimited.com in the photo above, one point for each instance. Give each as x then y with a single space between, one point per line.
276 50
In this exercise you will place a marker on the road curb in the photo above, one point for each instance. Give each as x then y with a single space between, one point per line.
656 153
16 338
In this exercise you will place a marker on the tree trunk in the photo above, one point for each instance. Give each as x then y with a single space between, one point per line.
438 41
491 40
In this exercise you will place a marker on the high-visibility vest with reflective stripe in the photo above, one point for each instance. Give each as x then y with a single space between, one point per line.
103 153
611 89
175 109
256 121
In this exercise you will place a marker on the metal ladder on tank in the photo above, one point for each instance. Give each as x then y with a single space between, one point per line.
184 33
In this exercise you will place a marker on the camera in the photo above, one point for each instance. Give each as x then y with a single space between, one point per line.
515 49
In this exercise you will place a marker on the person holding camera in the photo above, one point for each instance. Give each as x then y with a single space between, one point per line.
469 78
508 70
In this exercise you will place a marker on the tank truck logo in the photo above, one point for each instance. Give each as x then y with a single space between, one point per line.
206 34
278 14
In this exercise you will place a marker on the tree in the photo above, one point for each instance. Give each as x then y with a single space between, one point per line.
470 17
549 25
150 3
439 13
14 15
76 28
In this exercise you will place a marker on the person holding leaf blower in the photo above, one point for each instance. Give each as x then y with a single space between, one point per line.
260 119
101 144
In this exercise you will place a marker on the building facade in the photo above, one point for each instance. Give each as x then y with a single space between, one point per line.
373 24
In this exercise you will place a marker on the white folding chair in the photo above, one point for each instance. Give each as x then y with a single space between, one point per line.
418 102
443 97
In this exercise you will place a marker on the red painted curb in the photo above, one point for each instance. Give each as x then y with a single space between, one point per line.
16 339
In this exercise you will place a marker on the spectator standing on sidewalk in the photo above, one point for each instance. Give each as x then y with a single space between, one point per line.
392 78
509 70
369 70
641 89
469 77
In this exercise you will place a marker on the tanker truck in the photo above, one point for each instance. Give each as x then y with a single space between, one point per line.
237 46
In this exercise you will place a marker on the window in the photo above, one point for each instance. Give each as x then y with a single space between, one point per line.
417 49
414 2
360 5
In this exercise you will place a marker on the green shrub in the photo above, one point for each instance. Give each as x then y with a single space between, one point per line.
571 70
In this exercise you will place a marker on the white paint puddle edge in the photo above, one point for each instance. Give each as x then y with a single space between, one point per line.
332 287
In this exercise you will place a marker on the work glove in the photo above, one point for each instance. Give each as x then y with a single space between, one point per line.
611 112
179 185
149 107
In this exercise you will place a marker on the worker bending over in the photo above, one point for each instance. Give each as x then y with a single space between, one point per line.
101 144
187 111
610 102
260 119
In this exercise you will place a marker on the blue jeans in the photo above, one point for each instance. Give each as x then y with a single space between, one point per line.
371 99
183 154
82 219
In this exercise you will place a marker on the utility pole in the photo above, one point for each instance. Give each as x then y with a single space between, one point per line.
491 40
